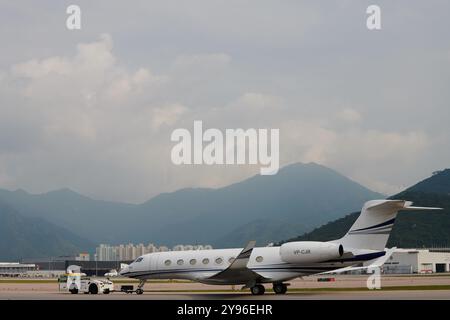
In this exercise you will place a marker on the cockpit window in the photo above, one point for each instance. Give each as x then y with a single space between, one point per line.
139 259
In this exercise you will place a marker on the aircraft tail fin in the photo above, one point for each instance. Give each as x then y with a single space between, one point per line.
372 228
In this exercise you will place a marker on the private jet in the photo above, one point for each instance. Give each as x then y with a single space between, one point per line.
363 246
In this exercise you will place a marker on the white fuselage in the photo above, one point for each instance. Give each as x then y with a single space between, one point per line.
201 265
365 241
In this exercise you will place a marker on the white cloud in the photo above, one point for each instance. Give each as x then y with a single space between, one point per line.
376 159
258 101
350 115
167 115
202 62
96 115
37 69
93 107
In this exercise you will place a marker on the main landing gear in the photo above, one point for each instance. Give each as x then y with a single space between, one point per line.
279 288
257 289
139 289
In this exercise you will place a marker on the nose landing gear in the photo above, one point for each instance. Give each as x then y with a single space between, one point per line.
139 289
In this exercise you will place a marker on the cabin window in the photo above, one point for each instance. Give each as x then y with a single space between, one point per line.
180 262
193 261
259 259
219 260
167 262
231 260
205 261
138 259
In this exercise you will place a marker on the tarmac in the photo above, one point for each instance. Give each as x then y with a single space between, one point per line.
310 288
349 295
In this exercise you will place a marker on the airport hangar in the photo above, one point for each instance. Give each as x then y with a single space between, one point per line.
89 267
407 261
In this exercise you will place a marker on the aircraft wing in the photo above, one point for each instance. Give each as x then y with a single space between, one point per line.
238 268
375 263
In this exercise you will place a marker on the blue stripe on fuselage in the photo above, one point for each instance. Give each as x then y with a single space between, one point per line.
280 267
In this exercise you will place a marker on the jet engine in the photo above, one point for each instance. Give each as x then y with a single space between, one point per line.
310 251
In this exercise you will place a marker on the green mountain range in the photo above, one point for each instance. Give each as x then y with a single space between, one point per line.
411 229
299 199
267 208
34 237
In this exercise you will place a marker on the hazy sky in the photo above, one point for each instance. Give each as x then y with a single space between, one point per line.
93 109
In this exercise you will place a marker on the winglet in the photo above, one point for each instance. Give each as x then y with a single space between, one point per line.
249 247
238 270
242 259
378 262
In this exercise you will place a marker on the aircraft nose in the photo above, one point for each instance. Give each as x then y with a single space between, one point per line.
124 270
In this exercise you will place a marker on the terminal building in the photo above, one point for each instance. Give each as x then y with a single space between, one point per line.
418 261
15 269
50 267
